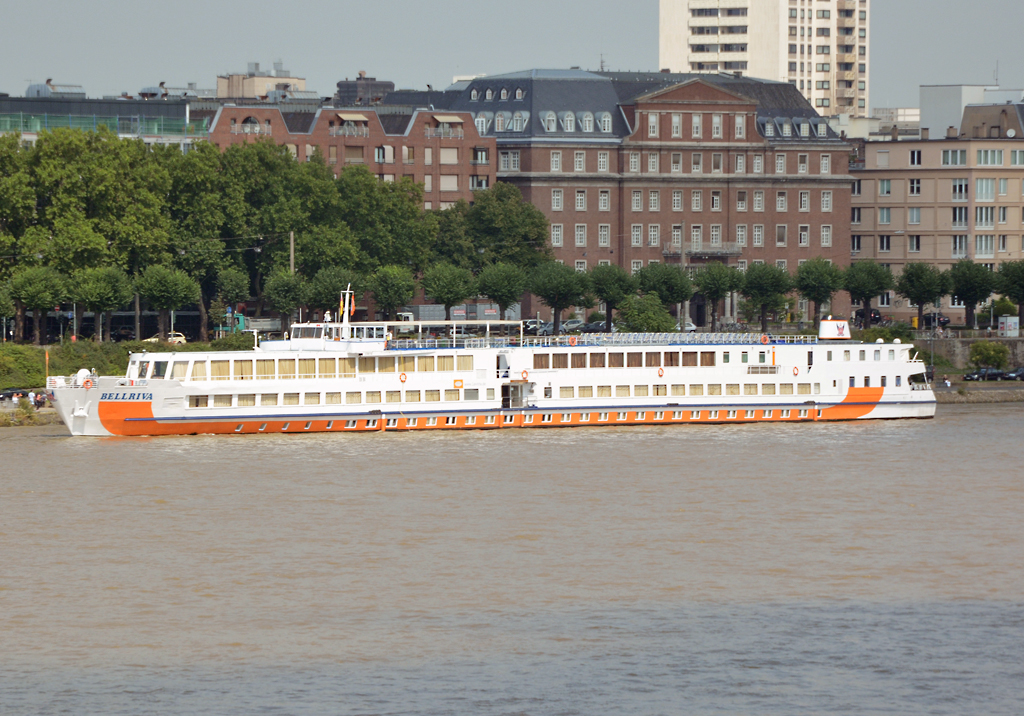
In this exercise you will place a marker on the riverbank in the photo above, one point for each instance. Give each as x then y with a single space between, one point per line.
992 395
20 419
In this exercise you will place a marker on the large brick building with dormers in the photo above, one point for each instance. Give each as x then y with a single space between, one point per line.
441 150
638 168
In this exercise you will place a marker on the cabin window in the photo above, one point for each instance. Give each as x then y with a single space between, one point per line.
732 389
222 401
451 394
347 367
696 389
286 368
597 360
640 391
660 390
445 364
265 369
586 391
311 399
386 365
412 396
247 400
465 363
634 360
616 360
671 359
243 370
714 389
198 401
432 396
785 389
560 360
353 397
291 399
768 389
393 396
803 389
654 360
678 389
373 396
707 358
750 388
690 358
566 391
160 369
367 365
406 364
268 399
540 361
579 360
604 391
333 398
426 364
327 367
471 394
220 369
621 391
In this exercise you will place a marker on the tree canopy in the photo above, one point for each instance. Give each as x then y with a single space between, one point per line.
502 283
817 281
612 285
922 284
864 280
765 286
559 287
1011 283
972 284
448 285
716 281
392 287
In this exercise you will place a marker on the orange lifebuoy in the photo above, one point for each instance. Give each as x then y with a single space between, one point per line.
402 377
661 372
572 340
796 371
87 383
764 338
525 375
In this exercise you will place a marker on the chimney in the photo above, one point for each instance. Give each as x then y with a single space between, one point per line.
894 133
666 70
924 133
951 132
362 74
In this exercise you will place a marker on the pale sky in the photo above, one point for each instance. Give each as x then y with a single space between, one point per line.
111 46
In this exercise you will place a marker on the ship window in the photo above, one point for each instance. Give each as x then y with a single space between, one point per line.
386 365
671 359
696 389
690 358
604 391
634 360
586 391
732 389
432 396
714 389
490 393
616 360
540 361
353 398
406 364
654 360
566 391
547 392
426 364
465 363
309 399
446 364
291 399
199 370
640 391
198 401
412 396
178 370
707 358
393 396
678 389
786 389
579 360
367 365
560 360
220 369
286 368
333 398
247 400
346 367
621 391
268 399
451 394
159 369
768 389
327 367
597 360
471 394
373 396
307 367
750 388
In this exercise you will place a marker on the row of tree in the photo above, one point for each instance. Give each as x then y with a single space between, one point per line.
75 201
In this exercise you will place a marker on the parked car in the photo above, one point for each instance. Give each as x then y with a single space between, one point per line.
940 318
172 337
545 329
876 316
986 374
688 327
594 327
1015 374
124 333
531 325
573 324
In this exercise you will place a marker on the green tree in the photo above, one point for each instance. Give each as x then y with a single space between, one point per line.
765 285
612 285
817 281
448 285
454 244
921 284
669 283
989 354
558 287
971 283
392 287
232 286
1011 283
38 288
285 292
864 280
504 284
167 290
505 228
716 281
324 290
103 290
645 314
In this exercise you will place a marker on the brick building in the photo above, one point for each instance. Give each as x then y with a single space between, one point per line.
441 150
943 200
639 168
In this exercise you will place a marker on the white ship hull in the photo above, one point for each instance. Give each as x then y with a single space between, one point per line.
378 385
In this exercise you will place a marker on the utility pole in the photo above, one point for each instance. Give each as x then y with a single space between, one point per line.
291 251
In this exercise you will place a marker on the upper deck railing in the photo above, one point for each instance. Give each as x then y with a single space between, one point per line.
601 340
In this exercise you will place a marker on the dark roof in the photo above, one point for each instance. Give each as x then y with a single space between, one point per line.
438 99
298 122
394 123
75 106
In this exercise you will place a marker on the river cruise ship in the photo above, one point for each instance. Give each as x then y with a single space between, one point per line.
351 377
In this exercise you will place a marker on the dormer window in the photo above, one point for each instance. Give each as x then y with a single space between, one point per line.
474 95
550 122
499 123
504 93
519 94
569 122
489 95
769 129
787 129
805 129
606 122
481 125
588 122
822 130
517 122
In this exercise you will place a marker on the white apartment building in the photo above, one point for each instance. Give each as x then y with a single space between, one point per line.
820 46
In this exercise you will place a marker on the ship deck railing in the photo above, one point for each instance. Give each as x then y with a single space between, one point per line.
602 340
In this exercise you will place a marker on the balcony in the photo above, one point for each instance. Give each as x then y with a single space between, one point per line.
251 129
444 133
701 249
349 130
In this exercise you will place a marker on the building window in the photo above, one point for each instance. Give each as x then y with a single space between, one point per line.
677 125
677 162
801 163
652 125
741 234
915 157
961 189
741 201
677 235
581 200
884 244
914 187
741 126
569 122
556 200
606 122
780 263
581 235
758 237
741 164
550 122
636 235
638 200
803 235
697 163
855 215
780 234
1002 214
984 246
602 161
556 161
780 163
854 244
556 235
581 266
1003 187
780 201
1002 243
805 201
604 234
984 217
654 200
990 157
914 244
635 265
634 162
579 162
604 200
985 190
884 215
826 236
588 122
716 201
716 163
885 187
826 163
509 161
696 236
652 162
959 217
716 234
759 201
696 200
914 215
716 126
654 235
954 157
826 201
695 126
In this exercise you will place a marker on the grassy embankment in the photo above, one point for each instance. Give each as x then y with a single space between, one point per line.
24 366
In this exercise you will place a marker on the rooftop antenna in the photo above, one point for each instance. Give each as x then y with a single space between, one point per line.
996 75
602 62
